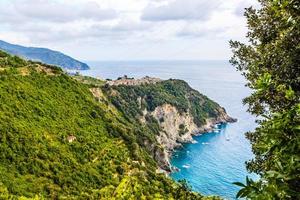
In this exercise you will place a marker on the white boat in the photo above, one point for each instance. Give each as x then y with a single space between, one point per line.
186 166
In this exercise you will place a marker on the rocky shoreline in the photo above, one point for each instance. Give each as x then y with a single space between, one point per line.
176 126
205 131
171 137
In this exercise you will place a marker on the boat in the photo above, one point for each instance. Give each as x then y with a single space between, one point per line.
217 130
186 166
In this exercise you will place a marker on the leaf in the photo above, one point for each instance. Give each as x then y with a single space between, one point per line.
240 193
239 184
297 127
289 94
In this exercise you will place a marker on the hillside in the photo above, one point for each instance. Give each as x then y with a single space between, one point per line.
61 137
43 55
171 109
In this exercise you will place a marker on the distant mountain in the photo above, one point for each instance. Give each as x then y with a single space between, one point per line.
44 55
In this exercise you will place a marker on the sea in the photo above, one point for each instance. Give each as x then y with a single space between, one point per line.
217 159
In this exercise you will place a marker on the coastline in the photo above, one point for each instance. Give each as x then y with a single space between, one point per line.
208 131
176 127
228 92
165 158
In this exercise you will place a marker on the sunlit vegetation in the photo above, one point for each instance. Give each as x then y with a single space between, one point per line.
57 140
175 92
270 62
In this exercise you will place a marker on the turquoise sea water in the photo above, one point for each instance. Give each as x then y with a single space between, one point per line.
217 159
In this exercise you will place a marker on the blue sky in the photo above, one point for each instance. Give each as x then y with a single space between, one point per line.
126 29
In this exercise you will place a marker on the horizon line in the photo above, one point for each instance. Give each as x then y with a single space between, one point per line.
153 60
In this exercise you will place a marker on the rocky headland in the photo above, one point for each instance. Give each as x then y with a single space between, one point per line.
155 102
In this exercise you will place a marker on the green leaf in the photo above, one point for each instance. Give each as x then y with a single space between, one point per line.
289 94
239 194
239 184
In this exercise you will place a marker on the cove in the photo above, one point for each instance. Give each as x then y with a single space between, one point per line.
214 162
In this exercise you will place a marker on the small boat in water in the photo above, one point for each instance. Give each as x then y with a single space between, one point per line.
217 130
186 166
205 143
175 169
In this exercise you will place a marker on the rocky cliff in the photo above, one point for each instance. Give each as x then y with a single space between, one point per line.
174 111
177 128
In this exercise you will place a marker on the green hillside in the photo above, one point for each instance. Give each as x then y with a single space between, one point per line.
57 141
175 92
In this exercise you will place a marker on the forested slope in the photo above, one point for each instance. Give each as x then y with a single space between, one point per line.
58 141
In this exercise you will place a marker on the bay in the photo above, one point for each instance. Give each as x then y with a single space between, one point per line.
217 159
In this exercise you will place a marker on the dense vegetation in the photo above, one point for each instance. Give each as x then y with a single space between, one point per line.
44 55
175 92
58 141
271 64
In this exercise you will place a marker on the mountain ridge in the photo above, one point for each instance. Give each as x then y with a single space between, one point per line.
44 55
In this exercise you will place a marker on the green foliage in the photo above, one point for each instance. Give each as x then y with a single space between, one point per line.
92 82
8 60
270 63
132 100
40 111
182 129
37 115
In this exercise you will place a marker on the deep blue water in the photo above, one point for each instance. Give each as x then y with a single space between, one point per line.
211 165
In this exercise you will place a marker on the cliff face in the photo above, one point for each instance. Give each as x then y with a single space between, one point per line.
177 128
171 123
171 108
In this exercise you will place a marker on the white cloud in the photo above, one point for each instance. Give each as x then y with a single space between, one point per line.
180 10
91 10
47 11
93 29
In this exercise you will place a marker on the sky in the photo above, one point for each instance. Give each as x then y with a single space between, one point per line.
127 29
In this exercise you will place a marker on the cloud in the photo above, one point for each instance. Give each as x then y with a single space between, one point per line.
53 11
196 30
92 10
122 31
180 10
99 25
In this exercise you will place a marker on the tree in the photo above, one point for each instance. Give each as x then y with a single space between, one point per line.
271 64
